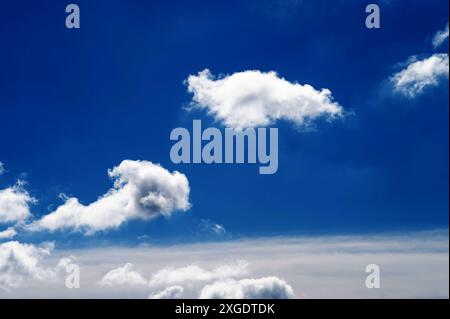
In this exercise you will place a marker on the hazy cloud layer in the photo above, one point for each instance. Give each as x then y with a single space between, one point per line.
190 274
412 265
173 292
123 276
20 263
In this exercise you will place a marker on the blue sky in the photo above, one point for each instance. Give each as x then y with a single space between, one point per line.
75 103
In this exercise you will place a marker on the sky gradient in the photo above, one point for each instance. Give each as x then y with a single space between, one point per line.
76 103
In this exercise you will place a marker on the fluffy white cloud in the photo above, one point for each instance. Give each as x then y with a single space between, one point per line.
440 37
123 276
20 263
173 292
419 74
10 232
190 274
255 98
142 190
15 204
262 288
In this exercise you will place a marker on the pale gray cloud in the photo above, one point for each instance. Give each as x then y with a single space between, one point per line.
193 273
123 276
412 265
20 263
173 292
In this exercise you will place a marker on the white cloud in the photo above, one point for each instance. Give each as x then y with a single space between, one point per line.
10 232
190 274
173 292
65 262
218 229
123 276
440 37
2 168
420 74
20 263
211 227
262 288
413 265
255 98
14 204
142 190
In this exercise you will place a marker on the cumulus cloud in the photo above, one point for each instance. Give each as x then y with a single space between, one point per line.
262 288
440 37
123 276
15 204
255 98
169 276
420 74
173 292
10 232
142 190
20 263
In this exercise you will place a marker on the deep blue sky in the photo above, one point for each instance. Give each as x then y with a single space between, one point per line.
74 103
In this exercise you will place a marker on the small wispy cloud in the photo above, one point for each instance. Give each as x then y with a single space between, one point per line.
440 37
419 74
10 232
210 227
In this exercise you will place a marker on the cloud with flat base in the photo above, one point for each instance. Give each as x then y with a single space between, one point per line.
254 99
142 190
